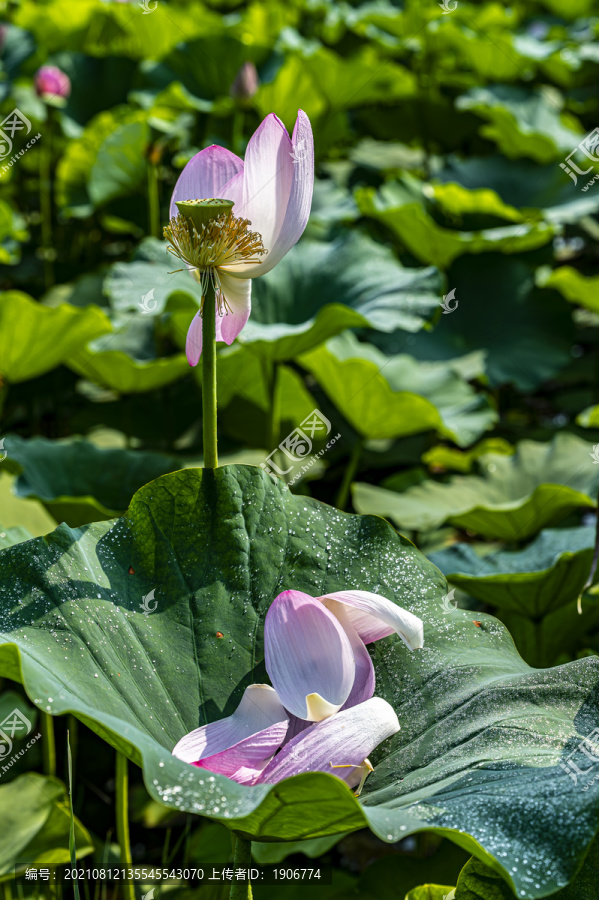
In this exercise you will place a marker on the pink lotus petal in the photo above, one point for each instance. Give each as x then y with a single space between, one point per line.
308 656
346 739
233 190
295 727
193 342
267 179
300 195
238 293
205 175
375 617
258 710
246 760
364 681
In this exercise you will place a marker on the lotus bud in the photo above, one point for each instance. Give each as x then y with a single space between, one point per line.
52 84
246 82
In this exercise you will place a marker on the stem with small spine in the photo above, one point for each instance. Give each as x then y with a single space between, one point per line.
48 745
242 859
349 474
209 378
122 820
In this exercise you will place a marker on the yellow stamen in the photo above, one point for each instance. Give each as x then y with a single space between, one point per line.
223 241
367 769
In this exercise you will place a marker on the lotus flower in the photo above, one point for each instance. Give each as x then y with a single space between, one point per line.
320 715
271 191
51 83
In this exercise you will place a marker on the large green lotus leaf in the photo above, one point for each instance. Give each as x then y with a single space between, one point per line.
35 339
320 289
78 482
549 573
273 852
524 121
430 892
478 881
527 333
330 204
100 30
482 734
513 498
208 65
126 360
36 822
317 291
75 167
12 232
323 82
146 283
242 375
457 201
19 513
120 164
557 636
14 535
523 184
431 243
589 417
442 458
385 397
573 286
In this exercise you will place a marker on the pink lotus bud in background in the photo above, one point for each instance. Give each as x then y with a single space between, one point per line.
246 82
52 83
3 31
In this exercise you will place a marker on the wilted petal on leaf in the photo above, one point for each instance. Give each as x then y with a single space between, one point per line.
375 617
344 740
259 709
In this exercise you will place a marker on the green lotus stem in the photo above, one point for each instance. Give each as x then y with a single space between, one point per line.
45 189
349 474
209 378
48 745
72 845
122 819
153 201
73 739
242 859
